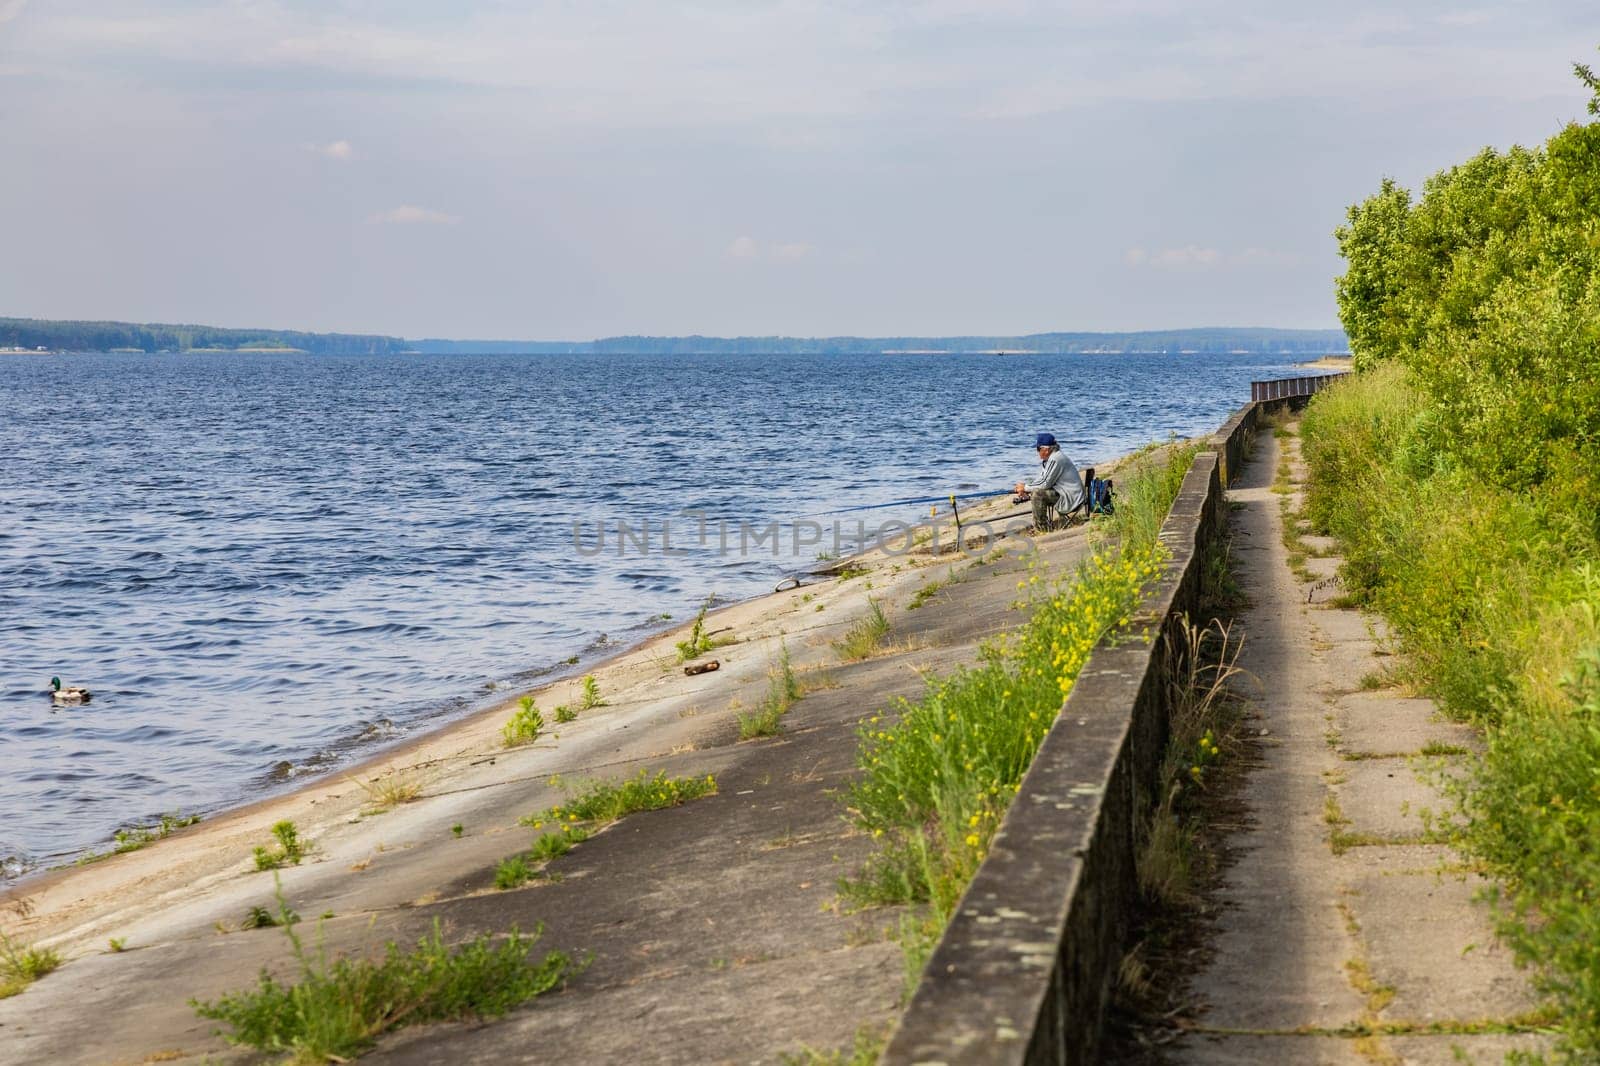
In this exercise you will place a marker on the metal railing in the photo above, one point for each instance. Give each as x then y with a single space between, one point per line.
1288 388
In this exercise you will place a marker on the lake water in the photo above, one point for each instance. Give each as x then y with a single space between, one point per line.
266 565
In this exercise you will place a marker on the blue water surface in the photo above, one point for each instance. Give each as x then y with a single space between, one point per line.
266 565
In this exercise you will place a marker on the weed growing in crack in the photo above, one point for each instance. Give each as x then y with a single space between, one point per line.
525 725
23 964
335 1008
290 849
863 638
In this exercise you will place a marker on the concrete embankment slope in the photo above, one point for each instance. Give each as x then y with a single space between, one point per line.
712 927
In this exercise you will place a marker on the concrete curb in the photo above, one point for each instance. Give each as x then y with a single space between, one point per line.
1024 971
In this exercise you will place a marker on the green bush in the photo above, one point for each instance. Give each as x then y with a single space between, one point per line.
1487 288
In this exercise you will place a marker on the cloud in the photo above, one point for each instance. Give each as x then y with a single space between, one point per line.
745 247
339 150
790 252
1264 257
412 215
1194 257
10 9
1189 255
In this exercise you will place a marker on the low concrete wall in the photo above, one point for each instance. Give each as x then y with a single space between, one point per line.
1025 968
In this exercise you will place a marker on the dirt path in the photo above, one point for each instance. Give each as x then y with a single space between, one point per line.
1346 933
712 926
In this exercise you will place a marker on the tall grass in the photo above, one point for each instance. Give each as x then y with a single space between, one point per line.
1200 663
603 802
862 639
336 1008
783 688
1147 483
1494 597
23 964
935 783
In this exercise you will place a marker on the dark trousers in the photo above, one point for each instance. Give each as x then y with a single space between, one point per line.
1044 509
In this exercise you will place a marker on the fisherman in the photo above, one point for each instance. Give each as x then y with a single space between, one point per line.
1057 489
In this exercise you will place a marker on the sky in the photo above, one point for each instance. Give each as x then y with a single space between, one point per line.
585 168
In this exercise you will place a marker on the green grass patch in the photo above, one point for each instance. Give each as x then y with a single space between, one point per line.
336 1008
288 849
591 694
603 802
143 836
525 725
513 872
862 639
697 643
782 690
390 789
125 840
1201 661
23 964
930 590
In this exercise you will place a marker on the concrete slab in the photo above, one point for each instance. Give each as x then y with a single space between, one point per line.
1322 568
1427 936
654 1022
1320 544
1279 946
1344 665
1382 724
1209 1050
1342 625
1385 798
1484 1050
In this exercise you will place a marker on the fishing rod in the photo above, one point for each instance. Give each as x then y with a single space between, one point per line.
946 498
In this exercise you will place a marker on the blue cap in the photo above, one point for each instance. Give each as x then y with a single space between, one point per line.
1044 440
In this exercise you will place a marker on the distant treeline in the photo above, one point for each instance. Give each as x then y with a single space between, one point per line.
1251 340
154 337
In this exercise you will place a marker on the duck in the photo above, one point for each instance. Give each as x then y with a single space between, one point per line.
70 694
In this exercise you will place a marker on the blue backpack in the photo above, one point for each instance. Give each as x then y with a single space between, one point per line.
1097 495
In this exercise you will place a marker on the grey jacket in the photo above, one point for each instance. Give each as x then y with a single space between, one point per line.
1059 474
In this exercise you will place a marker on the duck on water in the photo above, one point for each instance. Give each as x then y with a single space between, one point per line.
68 694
